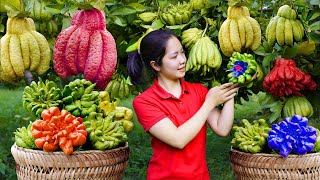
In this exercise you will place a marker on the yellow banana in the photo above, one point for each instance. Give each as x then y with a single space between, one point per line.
224 38
296 30
280 31
288 35
234 35
271 30
24 42
16 55
45 55
8 72
256 33
301 28
242 30
204 50
211 56
217 57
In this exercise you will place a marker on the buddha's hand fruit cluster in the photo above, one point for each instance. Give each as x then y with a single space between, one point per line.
86 47
58 129
251 137
239 31
297 105
286 79
22 49
41 95
242 68
284 28
79 98
104 132
177 14
204 56
292 134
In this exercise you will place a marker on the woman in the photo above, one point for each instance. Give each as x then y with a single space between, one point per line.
175 112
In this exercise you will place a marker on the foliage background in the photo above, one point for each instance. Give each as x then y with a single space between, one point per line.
126 27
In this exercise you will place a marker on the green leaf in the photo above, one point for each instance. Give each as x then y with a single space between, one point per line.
123 10
98 4
268 59
260 105
260 51
314 16
157 24
119 21
290 52
275 111
314 26
138 7
54 8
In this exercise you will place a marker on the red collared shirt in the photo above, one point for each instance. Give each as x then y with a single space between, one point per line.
168 162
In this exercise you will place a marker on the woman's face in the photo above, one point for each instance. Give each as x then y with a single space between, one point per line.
174 60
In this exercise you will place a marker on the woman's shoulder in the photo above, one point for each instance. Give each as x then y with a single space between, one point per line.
144 96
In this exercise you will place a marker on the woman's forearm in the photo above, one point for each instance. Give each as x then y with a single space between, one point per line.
179 137
221 122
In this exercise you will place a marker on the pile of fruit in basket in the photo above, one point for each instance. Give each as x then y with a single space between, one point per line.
75 117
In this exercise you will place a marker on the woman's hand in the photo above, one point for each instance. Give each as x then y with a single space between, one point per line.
220 94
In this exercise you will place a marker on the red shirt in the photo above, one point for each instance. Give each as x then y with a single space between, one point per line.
167 162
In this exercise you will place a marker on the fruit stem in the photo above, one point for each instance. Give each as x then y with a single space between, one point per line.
205 29
28 76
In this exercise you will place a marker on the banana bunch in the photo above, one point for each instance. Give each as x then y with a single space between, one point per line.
122 114
251 137
23 137
242 68
177 14
198 4
239 31
284 28
297 105
104 132
40 96
306 48
38 10
118 87
125 116
79 98
147 17
190 36
22 49
204 56
47 28
106 106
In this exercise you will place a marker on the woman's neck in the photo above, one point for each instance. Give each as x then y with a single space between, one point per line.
171 86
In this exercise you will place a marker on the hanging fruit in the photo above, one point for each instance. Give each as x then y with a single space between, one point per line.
177 14
23 49
190 36
297 105
284 28
86 47
239 31
285 79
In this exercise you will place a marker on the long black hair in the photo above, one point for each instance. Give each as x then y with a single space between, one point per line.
152 48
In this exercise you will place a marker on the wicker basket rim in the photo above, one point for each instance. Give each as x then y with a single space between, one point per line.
37 151
273 155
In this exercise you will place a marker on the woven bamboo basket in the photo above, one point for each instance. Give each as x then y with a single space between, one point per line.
264 166
89 164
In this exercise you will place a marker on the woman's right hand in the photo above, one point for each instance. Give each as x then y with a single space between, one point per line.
220 94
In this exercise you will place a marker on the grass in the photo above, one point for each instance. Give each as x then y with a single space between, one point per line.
13 115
